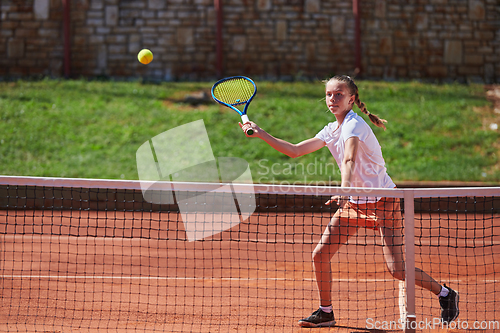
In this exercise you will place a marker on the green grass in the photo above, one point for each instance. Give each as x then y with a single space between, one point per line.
92 129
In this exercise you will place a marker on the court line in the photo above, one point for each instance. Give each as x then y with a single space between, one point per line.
374 240
166 278
366 240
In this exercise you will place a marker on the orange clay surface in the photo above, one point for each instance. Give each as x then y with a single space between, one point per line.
84 271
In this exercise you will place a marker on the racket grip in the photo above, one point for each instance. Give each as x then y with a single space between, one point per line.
244 120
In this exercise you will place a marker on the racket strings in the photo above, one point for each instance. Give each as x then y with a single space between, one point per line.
234 91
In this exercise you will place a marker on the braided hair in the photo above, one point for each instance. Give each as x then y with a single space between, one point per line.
353 89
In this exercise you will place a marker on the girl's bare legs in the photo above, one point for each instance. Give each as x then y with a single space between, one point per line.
393 252
333 238
338 233
392 239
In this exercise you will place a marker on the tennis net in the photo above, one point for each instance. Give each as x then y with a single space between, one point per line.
94 255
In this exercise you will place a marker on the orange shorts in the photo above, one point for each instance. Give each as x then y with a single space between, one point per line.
385 212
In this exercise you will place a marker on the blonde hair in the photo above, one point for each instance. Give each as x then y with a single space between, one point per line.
353 89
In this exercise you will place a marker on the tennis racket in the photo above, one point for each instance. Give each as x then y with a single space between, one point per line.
233 92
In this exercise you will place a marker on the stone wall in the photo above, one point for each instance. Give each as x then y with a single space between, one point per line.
436 39
453 39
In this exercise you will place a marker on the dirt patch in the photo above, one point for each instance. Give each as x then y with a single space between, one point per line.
492 114
180 106
491 119
493 95
187 101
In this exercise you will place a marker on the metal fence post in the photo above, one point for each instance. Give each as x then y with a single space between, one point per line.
409 236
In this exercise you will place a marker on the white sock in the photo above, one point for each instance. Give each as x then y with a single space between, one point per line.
444 292
326 309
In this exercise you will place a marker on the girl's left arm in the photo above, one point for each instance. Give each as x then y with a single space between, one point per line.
348 164
347 168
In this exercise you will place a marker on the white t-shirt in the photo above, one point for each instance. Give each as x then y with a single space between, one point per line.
369 168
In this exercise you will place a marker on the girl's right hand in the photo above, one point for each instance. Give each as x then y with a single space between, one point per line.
256 129
340 200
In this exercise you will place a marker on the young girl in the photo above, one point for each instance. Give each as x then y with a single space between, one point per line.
359 157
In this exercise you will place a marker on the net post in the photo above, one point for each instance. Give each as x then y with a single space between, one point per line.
409 206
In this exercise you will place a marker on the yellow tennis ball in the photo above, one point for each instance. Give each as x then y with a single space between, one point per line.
145 56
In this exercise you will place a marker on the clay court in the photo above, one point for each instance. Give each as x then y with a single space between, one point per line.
94 271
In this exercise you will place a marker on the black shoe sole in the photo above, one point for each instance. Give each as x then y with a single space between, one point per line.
313 325
456 308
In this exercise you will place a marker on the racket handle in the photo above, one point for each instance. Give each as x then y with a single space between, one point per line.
244 120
